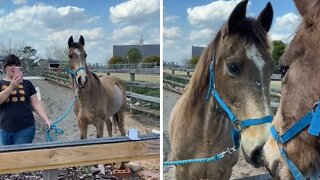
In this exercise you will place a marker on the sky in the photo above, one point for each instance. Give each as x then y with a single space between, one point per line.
189 22
47 25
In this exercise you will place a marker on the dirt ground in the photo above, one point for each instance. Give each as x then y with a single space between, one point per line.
242 168
57 99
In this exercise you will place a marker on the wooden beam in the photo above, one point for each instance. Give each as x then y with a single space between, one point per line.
33 157
145 110
143 97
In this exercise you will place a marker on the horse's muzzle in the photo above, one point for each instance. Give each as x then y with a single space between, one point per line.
80 81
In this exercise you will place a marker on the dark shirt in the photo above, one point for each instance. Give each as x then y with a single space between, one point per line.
16 113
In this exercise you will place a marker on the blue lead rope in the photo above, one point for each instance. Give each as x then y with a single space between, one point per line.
192 161
57 131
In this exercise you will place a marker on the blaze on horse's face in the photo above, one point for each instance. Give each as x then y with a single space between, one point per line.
77 61
242 74
300 90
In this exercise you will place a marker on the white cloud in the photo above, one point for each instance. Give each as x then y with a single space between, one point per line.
285 27
211 14
203 34
171 19
172 32
127 31
46 17
19 2
287 22
135 11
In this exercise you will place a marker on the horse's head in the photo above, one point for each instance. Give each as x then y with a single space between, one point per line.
77 61
243 67
300 90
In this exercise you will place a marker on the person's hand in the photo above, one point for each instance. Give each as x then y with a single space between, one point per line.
15 82
49 124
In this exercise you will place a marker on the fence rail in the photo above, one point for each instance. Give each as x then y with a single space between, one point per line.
44 156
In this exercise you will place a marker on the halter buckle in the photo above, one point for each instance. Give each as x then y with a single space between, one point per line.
315 106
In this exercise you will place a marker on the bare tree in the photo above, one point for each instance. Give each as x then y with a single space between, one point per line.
57 53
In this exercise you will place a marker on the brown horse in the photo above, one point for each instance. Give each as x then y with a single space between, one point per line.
97 99
242 67
300 90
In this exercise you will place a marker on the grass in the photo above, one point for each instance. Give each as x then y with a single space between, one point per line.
172 78
145 91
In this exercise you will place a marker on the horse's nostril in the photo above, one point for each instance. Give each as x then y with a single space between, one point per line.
256 157
79 80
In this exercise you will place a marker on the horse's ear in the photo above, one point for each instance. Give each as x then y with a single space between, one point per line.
81 40
70 41
238 14
266 16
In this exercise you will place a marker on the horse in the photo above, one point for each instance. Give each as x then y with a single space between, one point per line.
300 90
97 99
242 63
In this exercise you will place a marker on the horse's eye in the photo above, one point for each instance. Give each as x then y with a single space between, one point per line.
283 70
233 68
70 56
85 54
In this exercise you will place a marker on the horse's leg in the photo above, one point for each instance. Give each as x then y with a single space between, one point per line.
83 129
109 126
99 128
120 121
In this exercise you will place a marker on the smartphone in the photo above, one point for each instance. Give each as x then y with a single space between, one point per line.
18 71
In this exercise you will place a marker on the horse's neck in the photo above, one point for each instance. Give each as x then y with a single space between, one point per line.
85 94
215 123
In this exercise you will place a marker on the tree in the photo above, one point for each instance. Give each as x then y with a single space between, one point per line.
57 53
278 50
151 59
116 60
194 60
29 56
134 55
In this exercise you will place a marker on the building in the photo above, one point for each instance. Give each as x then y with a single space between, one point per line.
50 64
145 50
196 51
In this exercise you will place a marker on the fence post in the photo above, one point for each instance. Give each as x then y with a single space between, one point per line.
108 74
172 71
188 73
132 76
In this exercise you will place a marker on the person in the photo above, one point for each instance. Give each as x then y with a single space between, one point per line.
17 101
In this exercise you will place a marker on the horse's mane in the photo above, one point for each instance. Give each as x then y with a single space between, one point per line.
248 29
95 76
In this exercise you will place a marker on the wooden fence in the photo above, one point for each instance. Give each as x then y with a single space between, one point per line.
170 82
44 156
63 79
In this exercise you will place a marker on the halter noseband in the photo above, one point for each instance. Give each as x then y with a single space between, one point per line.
311 119
237 125
74 73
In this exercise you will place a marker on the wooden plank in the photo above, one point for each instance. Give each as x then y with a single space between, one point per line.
145 110
142 84
174 83
143 97
257 177
57 156
165 86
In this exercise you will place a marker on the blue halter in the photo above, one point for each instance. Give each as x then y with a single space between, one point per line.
74 73
237 125
311 119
